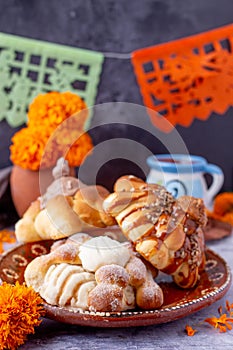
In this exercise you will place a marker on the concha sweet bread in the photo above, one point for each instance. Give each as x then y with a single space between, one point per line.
166 232
108 283
66 284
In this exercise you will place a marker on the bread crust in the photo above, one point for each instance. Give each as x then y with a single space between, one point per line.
64 215
61 279
166 232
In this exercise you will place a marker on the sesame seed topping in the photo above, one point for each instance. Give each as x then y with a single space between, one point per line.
158 234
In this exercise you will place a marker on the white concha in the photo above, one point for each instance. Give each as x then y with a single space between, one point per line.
66 285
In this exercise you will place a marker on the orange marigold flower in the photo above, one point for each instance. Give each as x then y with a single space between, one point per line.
190 331
72 145
20 311
223 208
55 107
53 119
28 146
223 203
222 322
79 150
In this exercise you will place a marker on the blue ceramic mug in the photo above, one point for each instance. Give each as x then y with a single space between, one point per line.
184 175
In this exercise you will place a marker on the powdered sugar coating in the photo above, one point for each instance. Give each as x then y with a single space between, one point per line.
149 296
112 274
137 271
106 297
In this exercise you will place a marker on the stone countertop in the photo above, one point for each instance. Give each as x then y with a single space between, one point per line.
169 336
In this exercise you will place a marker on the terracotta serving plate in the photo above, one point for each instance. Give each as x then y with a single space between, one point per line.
213 285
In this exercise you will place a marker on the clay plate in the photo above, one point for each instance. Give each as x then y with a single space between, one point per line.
213 285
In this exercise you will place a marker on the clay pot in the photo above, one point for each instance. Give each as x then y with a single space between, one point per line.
25 186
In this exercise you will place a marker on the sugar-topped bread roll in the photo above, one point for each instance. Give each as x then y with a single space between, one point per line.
166 232
109 284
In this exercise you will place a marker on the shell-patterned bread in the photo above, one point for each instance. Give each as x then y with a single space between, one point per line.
165 231
113 280
64 215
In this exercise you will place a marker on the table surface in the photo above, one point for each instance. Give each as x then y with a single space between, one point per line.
169 336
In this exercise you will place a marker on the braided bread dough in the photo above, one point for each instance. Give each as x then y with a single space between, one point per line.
166 232
114 285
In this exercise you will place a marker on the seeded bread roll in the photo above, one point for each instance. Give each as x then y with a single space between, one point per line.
166 232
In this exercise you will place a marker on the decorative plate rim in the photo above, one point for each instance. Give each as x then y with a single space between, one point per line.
138 317
144 317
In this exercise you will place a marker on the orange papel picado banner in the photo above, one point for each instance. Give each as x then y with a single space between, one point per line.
187 78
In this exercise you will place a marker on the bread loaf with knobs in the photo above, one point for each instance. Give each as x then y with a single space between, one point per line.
61 279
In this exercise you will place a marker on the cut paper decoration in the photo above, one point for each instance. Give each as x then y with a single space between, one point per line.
187 78
29 67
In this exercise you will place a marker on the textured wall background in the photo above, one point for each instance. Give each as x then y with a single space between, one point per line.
123 26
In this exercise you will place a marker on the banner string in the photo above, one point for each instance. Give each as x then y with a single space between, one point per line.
116 55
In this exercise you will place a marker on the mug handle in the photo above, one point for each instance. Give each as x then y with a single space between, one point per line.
218 178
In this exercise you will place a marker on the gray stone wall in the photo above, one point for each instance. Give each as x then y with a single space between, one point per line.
123 26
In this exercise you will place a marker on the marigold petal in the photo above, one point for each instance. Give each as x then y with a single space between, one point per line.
220 310
190 331
211 320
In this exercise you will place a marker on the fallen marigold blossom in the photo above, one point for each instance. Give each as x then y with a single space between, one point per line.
223 208
6 236
222 322
20 310
223 203
190 331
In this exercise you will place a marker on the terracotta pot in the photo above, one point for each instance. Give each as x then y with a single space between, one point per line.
25 186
